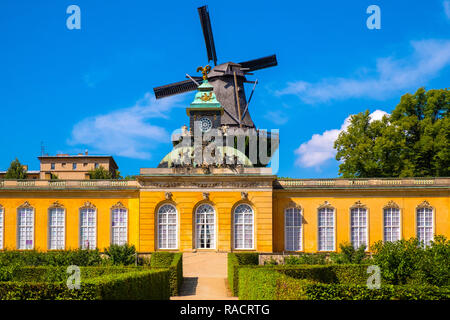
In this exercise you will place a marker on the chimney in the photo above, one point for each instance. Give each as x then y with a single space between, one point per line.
86 152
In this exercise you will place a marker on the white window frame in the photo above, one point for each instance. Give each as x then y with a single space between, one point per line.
2 227
244 224
427 210
293 228
88 210
359 210
197 238
28 210
166 226
325 227
50 227
119 210
389 210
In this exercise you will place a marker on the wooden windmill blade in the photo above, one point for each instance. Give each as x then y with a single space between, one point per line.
207 33
174 88
261 63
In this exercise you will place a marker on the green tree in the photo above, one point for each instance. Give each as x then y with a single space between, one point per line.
16 171
412 142
100 173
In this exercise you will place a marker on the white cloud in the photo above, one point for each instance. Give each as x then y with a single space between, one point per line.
319 149
390 76
446 4
126 132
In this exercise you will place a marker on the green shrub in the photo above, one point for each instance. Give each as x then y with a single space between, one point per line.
121 254
123 283
316 272
306 258
399 260
271 262
273 284
322 291
55 274
435 263
173 261
349 255
77 257
234 261
161 259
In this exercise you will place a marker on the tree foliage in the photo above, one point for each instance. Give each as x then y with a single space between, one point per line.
100 173
16 171
412 142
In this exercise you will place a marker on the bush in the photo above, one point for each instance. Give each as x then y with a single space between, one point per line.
56 274
435 263
121 254
234 261
399 261
270 284
306 258
122 283
349 254
173 261
77 257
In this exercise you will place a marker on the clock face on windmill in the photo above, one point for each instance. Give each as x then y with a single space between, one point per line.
205 124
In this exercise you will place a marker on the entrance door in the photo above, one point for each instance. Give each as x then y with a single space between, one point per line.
205 227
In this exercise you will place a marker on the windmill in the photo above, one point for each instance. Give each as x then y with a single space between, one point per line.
227 79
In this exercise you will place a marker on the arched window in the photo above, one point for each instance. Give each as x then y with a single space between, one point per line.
293 229
167 227
391 221
205 230
56 227
425 230
2 221
243 227
25 227
119 224
326 227
358 225
88 226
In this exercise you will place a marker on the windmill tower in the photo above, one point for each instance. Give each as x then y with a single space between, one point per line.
227 79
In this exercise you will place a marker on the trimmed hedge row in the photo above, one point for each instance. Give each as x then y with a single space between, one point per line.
133 285
270 284
173 261
56 274
77 257
343 274
234 262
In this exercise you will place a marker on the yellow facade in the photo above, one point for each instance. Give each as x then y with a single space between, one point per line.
374 201
267 196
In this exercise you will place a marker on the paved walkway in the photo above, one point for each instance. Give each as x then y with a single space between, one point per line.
205 277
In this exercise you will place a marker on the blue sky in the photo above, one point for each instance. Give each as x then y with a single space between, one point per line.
92 88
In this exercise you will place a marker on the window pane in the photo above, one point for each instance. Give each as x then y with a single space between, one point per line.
88 228
243 227
326 229
25 228
293 229
56 229
167 227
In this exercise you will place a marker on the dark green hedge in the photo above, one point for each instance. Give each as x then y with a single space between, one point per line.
234 262
173 261
274 284
343 274
77 257
56 274
134 285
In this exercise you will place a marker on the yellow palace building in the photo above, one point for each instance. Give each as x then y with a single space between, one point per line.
187 204
249 211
